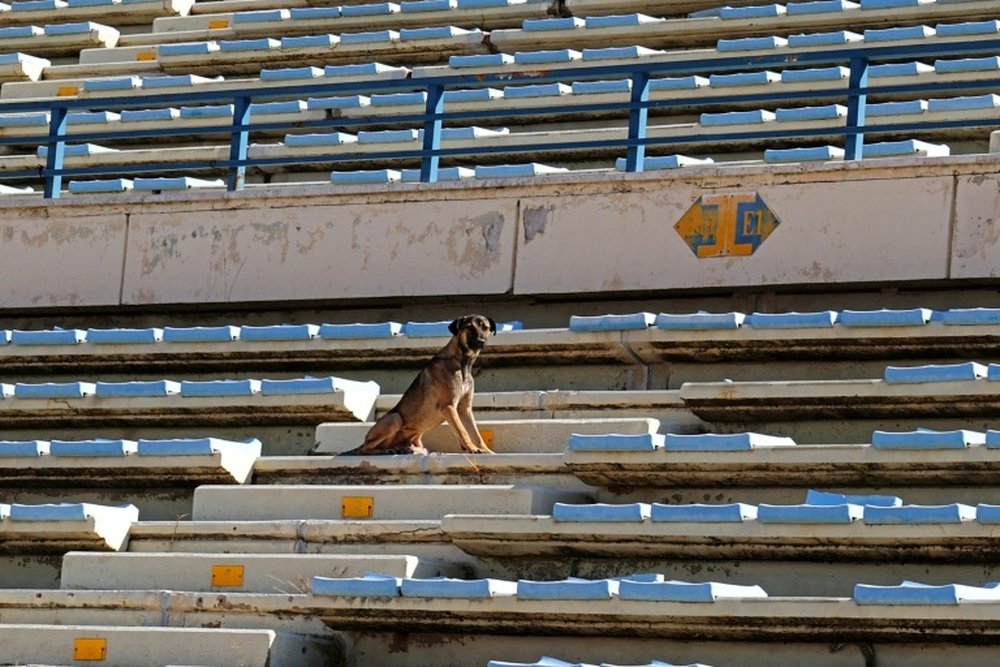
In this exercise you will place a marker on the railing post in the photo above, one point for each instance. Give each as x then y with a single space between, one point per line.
854 142
635 154
432 134
238 143
56 152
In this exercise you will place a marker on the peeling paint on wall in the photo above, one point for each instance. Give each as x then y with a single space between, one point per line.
535 221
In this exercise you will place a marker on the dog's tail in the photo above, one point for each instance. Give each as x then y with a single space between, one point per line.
353 452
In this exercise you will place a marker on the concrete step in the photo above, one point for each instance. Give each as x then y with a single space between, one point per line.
248 573
130 646
301 502
508 436
441 469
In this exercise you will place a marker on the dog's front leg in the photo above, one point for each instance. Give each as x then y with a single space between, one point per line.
469 421
454 420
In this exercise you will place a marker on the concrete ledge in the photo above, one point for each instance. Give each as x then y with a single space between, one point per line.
536 536
933 340
868 399
260 573
213 503
510 436
767 619
125 647
445 469
176 410
799 466
289 536
103 529
664 405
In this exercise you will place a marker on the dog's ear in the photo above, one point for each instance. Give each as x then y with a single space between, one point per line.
456 326
493 325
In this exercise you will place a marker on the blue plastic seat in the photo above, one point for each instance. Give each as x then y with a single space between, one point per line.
927 439
220 387
568 589
805 513
814 497
223 333
193 446
297 386
730 118
919 514
935 373
124 336
722 442
818 320
628 322
360 331
812 154
699 321
682 591
615 442
898 34
886 317
836 38
48 390
752 12
750 44
447 588
92 448
48 337
279 332
657 163
370 585
804 114
913 593
137 388
23 448
703 513
601 512
970 316
365 177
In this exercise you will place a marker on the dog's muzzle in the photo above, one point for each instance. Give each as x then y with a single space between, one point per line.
477 343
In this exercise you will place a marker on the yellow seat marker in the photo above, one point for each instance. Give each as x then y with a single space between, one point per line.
227 575
90 648
219 24
67 91
357 507
487 437
145 56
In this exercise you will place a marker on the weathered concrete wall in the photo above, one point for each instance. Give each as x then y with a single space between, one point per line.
878 222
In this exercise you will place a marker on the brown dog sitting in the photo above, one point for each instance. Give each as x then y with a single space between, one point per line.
441 392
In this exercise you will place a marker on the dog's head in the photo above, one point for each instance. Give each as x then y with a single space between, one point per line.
473 330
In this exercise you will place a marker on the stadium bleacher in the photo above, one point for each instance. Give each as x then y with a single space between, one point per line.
742 402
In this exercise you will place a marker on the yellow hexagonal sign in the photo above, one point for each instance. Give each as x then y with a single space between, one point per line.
726 224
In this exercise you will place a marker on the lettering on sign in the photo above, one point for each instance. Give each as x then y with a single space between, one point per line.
727 224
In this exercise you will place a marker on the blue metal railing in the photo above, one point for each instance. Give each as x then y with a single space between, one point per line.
433 117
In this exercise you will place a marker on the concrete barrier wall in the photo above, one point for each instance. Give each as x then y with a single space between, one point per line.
878 222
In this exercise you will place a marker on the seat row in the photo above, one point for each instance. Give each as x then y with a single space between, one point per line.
578 324
277 63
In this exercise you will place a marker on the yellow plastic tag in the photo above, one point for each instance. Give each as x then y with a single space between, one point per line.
143 56
90 648
219 24
67 91
357 507
487 437
227 575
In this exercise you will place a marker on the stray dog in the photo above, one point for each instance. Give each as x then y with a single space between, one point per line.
441 392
